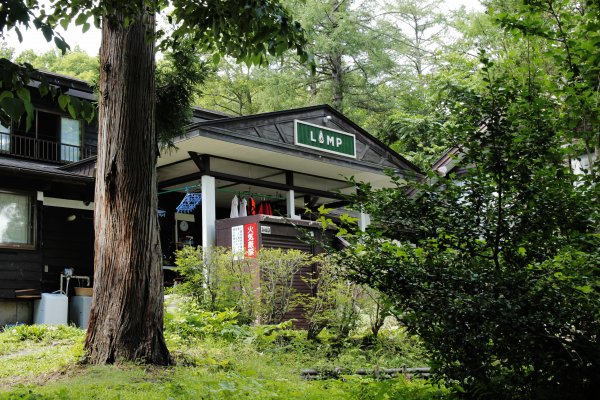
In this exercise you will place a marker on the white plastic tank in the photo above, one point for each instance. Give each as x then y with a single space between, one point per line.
79 310
51 309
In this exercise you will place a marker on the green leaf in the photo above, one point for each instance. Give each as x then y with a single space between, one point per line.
348 219
61 44
585 289
43 89
72 110
19 35
81 19
5 94
30 114
23 94
64 23
63 101
559 275
47 32
13 107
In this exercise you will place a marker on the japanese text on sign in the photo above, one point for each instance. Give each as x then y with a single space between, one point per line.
250 237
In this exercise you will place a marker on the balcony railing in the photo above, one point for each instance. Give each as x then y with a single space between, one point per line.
43 150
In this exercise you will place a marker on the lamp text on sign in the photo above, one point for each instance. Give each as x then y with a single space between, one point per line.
324 139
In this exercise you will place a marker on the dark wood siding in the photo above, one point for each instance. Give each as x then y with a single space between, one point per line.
19 270
66 244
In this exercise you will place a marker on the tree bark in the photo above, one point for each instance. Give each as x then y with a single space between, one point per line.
337 80
126 320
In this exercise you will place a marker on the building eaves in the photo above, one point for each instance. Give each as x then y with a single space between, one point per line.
29 168
66 82
209 115
324 107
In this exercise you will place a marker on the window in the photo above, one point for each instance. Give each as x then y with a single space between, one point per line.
16 220
58 138
70 139
4 138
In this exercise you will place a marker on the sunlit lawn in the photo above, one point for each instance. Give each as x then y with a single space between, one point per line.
43 362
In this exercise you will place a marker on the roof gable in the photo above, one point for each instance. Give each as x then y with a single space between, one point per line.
277 128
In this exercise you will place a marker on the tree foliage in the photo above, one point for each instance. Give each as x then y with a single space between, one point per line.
15 99
495 264
74 63
178 77
496 268
375 62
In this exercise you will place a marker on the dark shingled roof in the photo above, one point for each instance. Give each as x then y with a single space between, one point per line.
15 166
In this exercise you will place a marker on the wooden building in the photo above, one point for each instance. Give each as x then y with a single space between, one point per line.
284 161
46 195
289 159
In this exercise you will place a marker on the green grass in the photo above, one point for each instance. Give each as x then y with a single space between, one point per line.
28 352
41 362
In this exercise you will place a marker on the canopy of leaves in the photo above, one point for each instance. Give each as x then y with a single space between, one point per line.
75 63
496 263
178 77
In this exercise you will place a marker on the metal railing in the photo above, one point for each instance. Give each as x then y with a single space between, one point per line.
43 150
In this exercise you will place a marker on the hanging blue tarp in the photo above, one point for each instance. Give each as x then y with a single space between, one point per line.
189 202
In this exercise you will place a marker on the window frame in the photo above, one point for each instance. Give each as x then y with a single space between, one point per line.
32 223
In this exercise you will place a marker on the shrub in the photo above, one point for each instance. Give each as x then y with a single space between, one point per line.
260 290
187 321
334 300
217 281
278 272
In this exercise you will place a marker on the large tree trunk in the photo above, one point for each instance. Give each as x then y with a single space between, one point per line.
126 321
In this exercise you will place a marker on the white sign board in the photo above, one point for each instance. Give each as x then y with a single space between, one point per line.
237 241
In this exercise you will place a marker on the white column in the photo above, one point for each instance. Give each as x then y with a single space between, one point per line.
209 219
364 220
291 207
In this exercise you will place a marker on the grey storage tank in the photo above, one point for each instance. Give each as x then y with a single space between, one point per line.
51 309
79 310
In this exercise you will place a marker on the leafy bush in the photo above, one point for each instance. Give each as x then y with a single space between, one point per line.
262 290
187 321
218 280
278 271
495 266
259 290
333 303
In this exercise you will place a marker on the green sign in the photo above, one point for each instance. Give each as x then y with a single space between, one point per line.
324 139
